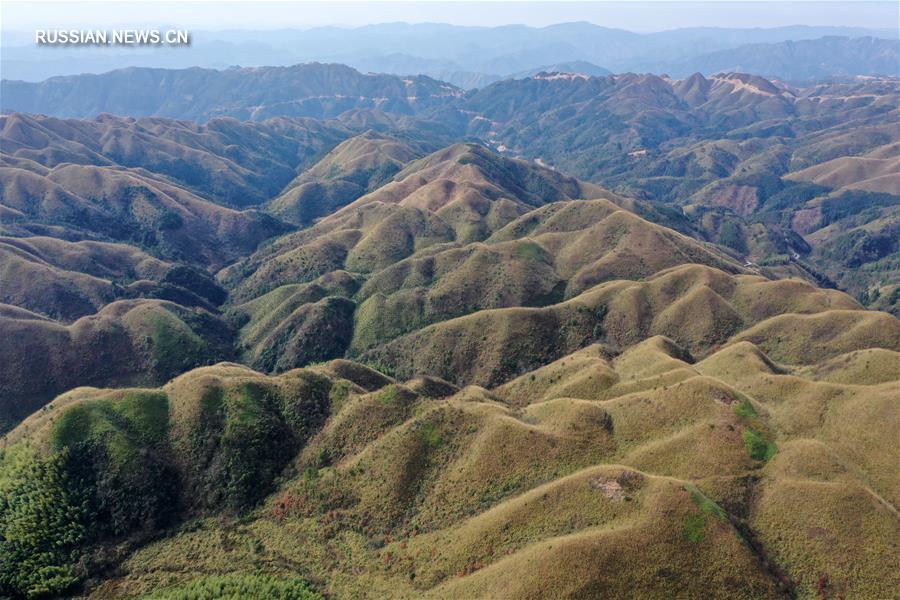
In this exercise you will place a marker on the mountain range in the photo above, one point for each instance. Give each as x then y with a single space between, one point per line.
801 179
471 57
301 332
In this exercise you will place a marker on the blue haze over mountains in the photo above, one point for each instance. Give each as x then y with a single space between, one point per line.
471 57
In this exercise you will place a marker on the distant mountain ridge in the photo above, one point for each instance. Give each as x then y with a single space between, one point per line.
465 56
306 90
324 91
577 66
801 60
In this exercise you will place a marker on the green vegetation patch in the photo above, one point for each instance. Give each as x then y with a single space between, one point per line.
388 396
759 447
118 453
338 394
239 586
42 523
732 235
104 476
529 251
693 526
256 444
135 419
707 505
430 434
174 344
745 409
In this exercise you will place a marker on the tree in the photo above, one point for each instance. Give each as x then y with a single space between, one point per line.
41 524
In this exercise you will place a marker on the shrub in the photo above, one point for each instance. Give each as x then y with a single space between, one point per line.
732 236
758 447
246 587
744 409
169 219
430 435
117 451
255 444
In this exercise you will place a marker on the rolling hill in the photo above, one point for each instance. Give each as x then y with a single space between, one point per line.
875 171
67 280
558 481
359 357
125 342
352 168
752 161
239 164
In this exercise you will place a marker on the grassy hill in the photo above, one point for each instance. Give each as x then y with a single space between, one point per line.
353 168
66 280
748 159
559 480
456 374
238 164
127 341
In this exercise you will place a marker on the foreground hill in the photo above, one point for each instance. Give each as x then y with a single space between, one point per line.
747 478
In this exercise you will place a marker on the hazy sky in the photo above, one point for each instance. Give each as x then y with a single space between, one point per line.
634 16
